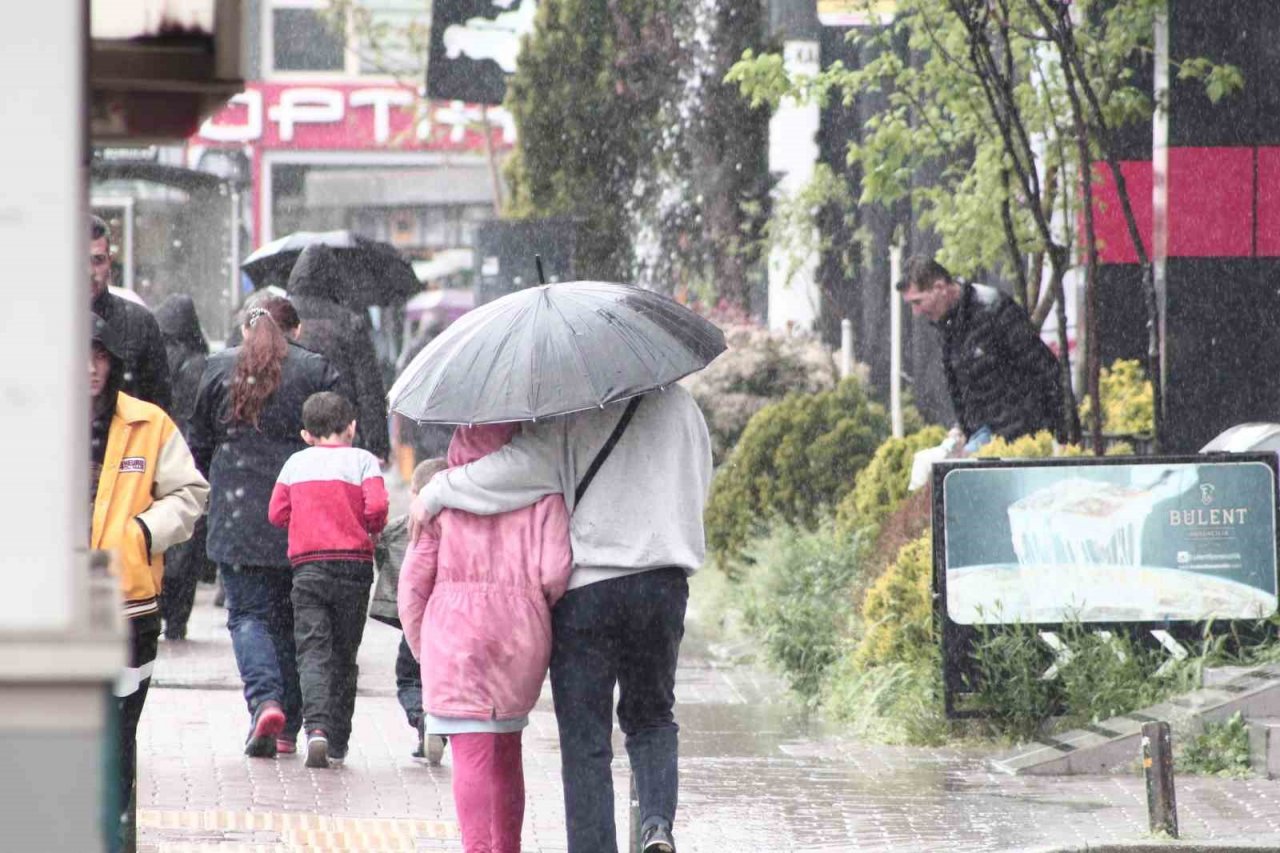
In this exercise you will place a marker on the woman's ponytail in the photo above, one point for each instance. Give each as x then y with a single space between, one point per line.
258 365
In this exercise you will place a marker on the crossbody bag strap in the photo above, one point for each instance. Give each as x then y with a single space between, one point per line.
606 450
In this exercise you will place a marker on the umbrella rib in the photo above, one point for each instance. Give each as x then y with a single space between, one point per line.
577 351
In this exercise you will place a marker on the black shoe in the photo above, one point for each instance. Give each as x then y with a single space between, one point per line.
318 754
420 751
656 838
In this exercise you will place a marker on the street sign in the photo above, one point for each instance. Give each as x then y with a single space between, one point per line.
474 44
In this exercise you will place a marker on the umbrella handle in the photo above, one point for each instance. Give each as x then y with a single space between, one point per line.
542 279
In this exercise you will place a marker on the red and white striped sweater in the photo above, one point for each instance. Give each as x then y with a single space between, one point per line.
332 501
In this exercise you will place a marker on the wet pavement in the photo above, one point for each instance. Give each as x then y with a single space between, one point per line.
757 774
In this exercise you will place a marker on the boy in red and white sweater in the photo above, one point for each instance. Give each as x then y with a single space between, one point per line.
333 502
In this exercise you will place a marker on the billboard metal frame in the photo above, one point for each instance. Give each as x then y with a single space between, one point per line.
958 639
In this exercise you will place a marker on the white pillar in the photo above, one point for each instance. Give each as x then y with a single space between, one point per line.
895 340
794 298
44 329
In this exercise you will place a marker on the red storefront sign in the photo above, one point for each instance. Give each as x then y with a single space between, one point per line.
351 117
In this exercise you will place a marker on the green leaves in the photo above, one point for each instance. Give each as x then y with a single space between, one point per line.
1219 80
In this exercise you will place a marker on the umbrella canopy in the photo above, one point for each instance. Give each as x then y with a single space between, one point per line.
552 350
369 272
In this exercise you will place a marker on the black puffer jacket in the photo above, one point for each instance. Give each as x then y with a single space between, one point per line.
1000 374
241 462
342 336
146 366
187 352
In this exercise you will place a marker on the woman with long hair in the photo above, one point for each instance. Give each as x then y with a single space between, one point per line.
247 422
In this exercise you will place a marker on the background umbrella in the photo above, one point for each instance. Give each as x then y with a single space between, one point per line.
552 350
373 273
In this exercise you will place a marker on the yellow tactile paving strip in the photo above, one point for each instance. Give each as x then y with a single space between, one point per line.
293 831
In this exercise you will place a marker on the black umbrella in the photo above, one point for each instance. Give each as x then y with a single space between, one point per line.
370 272
552 350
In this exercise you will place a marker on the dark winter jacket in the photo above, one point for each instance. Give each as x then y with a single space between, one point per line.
999 372
242 462
187 352
342 336
146 366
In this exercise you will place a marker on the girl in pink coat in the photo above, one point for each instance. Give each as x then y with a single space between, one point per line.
475 599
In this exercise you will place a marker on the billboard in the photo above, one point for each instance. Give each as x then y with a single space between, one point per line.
1138 542
474 45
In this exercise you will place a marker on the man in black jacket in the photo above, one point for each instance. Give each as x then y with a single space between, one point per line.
342 336
1002 378
146 365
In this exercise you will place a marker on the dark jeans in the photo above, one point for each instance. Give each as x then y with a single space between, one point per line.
131 693
260 619
330 600
184 565
409 683
625 631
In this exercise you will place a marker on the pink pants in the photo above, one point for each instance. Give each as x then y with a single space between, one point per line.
488 791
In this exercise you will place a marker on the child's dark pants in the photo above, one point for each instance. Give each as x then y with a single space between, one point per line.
330 600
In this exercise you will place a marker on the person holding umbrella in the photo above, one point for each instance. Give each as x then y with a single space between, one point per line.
247 423
635 479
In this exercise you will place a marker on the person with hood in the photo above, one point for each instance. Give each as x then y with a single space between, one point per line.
475 597
187 349
145 496
145 372
342 336
246 425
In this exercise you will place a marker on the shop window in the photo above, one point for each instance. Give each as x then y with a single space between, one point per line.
303 40
392 37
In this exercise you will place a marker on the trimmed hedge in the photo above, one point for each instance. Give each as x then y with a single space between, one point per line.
796 459
882 485
897 613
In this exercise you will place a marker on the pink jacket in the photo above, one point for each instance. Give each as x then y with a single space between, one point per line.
475 597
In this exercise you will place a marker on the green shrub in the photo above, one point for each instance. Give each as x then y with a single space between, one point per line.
1222 749
1010 692
895 703
1128 401
797 458
897 614
797 601
1109 676
758 368
1040 446
881 487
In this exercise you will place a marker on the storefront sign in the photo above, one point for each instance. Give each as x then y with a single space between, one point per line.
855 13
351 117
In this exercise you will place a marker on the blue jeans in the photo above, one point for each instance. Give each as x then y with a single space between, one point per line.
627 632
260 620
981 437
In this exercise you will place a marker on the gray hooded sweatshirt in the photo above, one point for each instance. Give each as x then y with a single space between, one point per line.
642 511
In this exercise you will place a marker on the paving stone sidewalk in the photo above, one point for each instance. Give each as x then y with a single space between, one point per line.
756 774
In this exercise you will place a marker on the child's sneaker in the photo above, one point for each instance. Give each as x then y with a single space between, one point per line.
317 749
337 755
435 750
268 722
420 751
286 746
